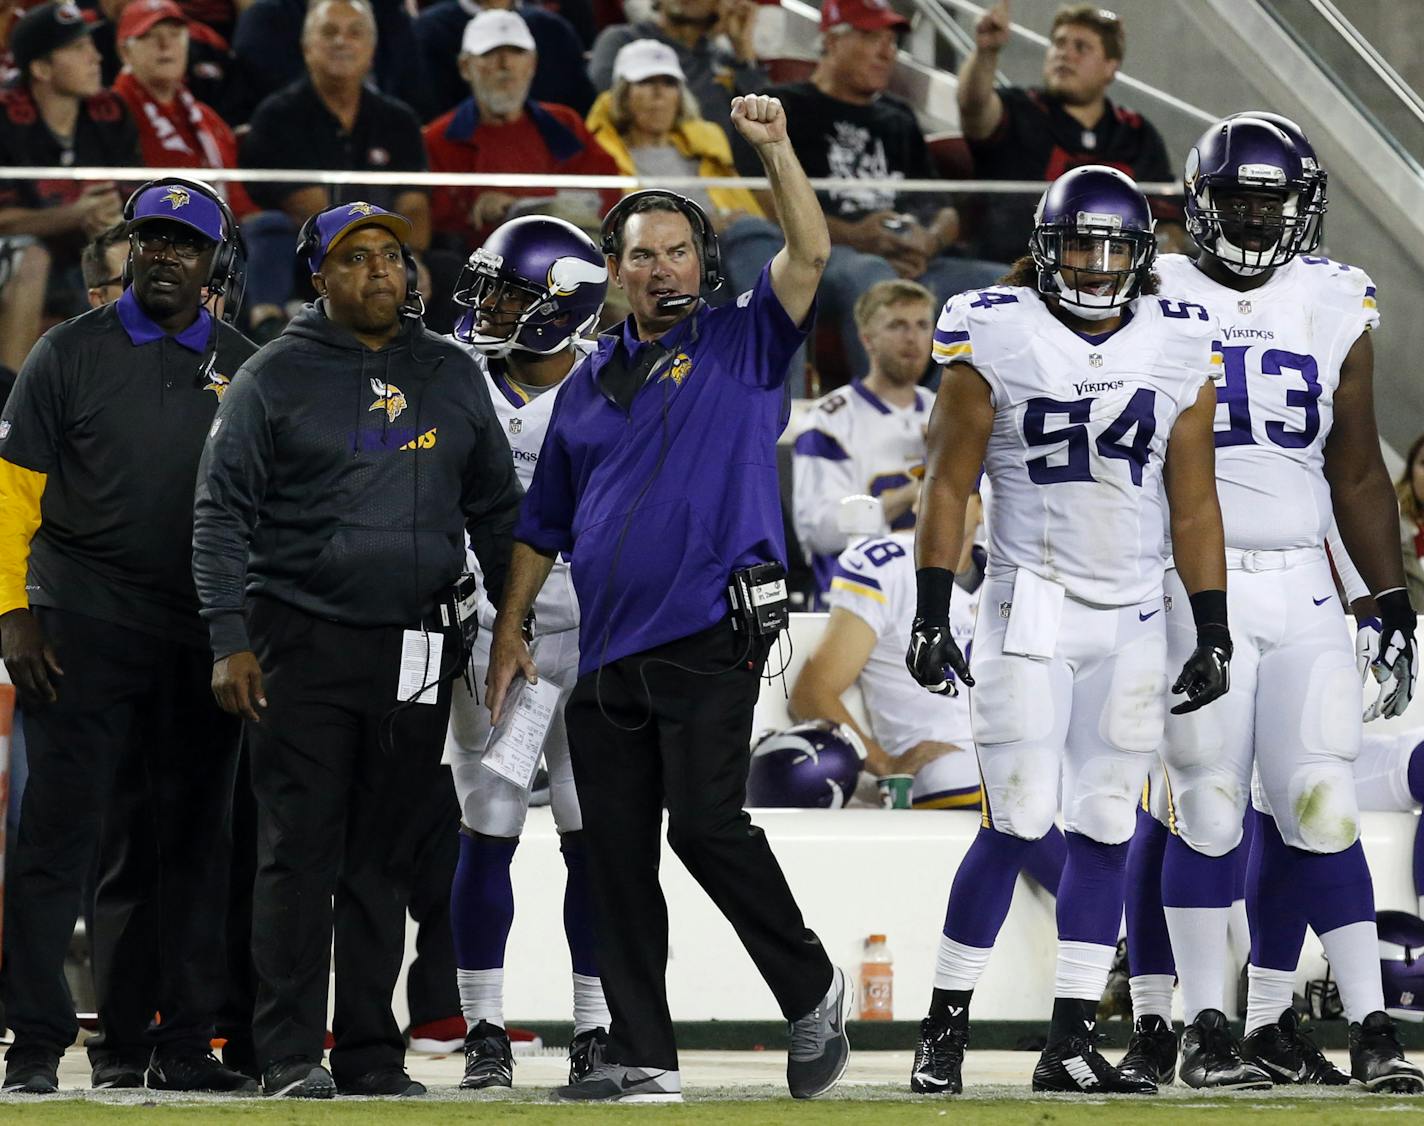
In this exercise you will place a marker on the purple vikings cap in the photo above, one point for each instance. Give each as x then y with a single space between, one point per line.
182 204
335 223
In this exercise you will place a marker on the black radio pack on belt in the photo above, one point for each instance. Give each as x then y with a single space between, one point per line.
458 607
759 601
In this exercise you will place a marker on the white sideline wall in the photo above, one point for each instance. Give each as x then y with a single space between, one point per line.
854 872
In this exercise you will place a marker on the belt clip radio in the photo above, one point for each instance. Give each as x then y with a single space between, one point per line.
459 608
759 601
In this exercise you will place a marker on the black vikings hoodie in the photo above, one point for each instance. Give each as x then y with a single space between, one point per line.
341 481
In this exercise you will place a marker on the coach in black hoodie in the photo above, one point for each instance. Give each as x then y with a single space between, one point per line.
348 460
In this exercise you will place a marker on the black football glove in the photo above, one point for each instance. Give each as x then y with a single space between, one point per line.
1207 674
1396 664
934 658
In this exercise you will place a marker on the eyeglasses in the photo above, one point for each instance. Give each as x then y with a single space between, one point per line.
186 246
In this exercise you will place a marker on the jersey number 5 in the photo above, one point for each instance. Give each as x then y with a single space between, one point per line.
1138 418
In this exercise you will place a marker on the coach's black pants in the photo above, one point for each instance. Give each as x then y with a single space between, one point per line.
136 757
691 754
335 817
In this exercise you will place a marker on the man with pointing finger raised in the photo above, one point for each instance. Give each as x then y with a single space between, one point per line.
657 478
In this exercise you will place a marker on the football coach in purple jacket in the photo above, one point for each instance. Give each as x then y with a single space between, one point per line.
658 479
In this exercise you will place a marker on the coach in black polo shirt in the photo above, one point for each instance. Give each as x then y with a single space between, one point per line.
99 448
1016 133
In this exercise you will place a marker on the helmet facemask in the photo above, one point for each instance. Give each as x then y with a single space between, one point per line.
1250 229
1093 266
507 313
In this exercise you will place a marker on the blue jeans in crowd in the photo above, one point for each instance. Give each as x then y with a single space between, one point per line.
271 241
748 245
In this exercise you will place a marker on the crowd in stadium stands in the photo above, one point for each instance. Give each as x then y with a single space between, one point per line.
553 87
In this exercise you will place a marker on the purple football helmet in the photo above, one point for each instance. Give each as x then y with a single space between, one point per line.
1317 202
808 766
1246 158
1401 943
536 282
1097 216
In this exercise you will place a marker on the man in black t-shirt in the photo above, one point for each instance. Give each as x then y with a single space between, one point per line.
844 124
58 114
1038 134
331 119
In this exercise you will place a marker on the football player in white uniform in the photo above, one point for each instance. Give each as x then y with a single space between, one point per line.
1296 442
868 437
531 292
1089 403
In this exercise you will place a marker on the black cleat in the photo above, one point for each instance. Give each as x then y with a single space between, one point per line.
298 1078
489 1059
1377 1060
939 1059
114 1073
1286 1052
588 1050
30 1072
1151 1053
1076 1066
192 1071
388 1081
1211 1057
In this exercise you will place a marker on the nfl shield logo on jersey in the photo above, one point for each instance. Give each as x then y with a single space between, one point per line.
1095 360
516 425
1243 306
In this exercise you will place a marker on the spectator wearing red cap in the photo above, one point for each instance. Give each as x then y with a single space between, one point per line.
175 129
57 113
209 56
845 124
713 41
1019 133
499 128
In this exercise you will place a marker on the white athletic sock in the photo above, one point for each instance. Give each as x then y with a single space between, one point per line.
1269 994
482 995
1199 947
1082 970
959 966
1353 952
590 1008
1151 996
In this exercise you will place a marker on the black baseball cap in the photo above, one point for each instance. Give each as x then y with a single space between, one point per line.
44 29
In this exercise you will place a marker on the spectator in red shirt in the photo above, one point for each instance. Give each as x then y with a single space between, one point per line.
175 130
499 129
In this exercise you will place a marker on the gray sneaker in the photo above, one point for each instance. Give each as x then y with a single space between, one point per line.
617 1083
820 1049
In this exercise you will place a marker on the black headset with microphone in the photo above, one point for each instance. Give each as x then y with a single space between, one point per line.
610 235
309 242
225 275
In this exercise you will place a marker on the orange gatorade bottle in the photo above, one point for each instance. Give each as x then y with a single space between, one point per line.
877 980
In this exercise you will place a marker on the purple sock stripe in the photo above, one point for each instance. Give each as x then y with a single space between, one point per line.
1191 879
1336 887
1090 895
983 888
578 906
1419 857
1243 856
1044 858
1149 946
482 902
1275 912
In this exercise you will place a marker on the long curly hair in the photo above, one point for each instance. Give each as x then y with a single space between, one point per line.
1025 272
